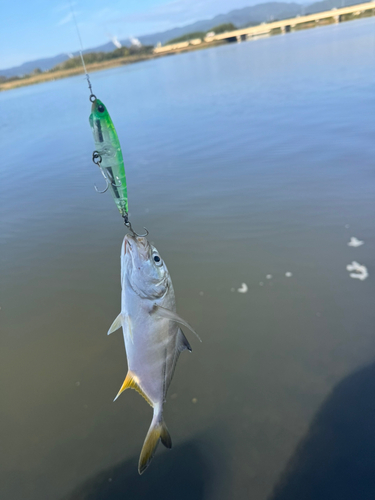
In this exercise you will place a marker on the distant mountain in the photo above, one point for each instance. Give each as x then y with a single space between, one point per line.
28 67
256 14
328 5
239 17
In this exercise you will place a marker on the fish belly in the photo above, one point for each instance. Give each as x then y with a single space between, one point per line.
148 352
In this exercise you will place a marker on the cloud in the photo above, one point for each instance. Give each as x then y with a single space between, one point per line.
70 18
181 12
63 6
175 11
65 19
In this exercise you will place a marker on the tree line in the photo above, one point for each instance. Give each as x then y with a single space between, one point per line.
90 58
221 28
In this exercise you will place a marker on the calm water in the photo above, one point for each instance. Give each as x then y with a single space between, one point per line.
243 161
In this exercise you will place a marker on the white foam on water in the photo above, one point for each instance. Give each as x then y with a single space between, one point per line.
360 271
355 242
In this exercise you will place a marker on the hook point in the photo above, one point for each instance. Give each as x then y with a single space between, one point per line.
104 190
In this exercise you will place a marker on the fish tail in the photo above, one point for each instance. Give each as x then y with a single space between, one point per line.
158 430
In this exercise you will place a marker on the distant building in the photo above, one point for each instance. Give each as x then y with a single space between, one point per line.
116 42
135 42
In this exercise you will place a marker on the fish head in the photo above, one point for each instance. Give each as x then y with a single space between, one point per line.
143 268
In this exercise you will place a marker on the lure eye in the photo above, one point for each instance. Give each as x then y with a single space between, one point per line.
101 108
157 260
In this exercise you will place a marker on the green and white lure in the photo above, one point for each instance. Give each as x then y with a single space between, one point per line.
108 155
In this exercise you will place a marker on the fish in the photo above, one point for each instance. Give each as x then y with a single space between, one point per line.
152 334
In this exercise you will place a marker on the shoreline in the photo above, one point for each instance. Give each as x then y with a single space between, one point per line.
92 68
114 63
58 75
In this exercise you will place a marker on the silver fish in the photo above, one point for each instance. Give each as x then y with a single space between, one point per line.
153 339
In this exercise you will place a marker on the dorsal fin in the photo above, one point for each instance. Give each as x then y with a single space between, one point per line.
131 382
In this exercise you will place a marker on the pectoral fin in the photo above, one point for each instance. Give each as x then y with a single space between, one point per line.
115 325
127 326
172 316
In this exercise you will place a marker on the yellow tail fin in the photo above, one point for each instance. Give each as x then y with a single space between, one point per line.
158 430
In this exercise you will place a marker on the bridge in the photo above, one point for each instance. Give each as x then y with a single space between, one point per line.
284 26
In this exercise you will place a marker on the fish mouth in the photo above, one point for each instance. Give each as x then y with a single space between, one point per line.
127 243
136 245
136 249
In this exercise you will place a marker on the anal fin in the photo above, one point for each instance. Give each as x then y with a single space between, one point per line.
131 382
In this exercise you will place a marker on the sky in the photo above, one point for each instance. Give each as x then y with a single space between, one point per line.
33 29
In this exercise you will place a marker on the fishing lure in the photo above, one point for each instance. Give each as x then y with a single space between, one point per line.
108 155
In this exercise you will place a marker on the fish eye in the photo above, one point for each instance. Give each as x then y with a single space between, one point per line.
101 108
157 260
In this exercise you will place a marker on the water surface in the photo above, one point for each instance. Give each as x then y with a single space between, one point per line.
243 161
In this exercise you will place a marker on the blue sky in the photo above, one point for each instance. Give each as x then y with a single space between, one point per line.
41 28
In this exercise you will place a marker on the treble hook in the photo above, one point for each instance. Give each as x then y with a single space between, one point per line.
129 226
97 159
106 180
104 190
115 185
108 184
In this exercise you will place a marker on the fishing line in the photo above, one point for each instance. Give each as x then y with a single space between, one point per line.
92 96
108 154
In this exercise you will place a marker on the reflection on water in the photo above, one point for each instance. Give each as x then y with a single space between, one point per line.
244 161
188 475
336 458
